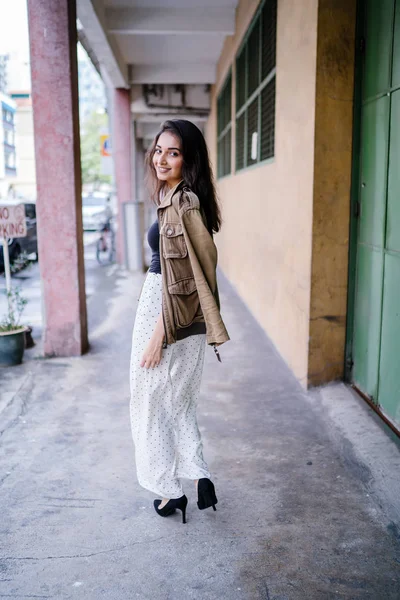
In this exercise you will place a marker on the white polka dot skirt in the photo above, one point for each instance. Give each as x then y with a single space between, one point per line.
166 436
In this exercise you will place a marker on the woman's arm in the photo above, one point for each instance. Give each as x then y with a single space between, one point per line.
153 354
203 258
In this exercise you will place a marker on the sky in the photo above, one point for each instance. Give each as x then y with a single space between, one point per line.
14 40
14 36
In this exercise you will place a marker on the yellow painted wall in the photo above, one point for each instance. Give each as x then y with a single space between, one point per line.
332 181
265 243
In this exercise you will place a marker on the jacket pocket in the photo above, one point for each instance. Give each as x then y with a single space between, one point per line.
185 300
174 245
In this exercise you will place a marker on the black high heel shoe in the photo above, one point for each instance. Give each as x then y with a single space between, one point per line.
171 506
206 494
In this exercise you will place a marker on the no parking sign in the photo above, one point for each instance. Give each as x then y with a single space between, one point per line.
12 224
12 221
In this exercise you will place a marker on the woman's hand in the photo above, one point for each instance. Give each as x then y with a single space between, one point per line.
153 354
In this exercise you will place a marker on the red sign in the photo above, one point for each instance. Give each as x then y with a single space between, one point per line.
12 220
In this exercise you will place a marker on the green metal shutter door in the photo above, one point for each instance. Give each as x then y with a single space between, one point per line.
367 315
376 339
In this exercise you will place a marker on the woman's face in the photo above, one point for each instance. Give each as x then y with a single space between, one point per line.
168 159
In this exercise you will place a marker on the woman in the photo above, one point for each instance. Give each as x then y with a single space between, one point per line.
178 313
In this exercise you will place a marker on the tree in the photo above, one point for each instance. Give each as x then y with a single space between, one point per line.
90 149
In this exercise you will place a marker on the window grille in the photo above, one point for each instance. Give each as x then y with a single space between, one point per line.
240 123
224 128
255 89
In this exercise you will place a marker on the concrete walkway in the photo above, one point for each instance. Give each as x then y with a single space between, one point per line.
308 484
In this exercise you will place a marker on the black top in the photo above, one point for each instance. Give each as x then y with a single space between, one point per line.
153 237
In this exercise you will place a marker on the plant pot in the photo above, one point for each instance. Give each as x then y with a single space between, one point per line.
12 345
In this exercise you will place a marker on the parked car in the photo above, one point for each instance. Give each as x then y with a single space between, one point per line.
96 211
26 244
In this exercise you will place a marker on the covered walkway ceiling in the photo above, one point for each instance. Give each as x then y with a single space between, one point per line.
157 41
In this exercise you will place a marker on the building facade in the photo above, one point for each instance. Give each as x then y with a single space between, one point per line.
92 96
25 179
8 160
285 171
4 58
300 108
304 129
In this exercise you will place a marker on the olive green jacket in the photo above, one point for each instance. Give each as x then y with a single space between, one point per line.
188 259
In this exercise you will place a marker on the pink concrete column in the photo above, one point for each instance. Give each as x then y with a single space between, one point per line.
122 160
53 39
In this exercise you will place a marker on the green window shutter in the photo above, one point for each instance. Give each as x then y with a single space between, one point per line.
255 89
253 58
268 37
241 79
240 123
228 101
220 159
219 117
224 128
267 142
252 132
227 154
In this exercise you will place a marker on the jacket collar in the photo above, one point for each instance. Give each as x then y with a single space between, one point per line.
167 199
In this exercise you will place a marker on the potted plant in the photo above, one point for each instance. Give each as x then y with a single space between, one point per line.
12 334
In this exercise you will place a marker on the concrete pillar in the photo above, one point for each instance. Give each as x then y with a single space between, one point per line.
52 29
121 143
332 185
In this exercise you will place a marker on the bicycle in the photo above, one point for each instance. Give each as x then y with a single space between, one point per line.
105 246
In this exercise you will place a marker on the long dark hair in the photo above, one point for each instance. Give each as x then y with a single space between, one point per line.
196 169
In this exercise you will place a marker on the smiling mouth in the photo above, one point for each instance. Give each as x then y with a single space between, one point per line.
163 169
